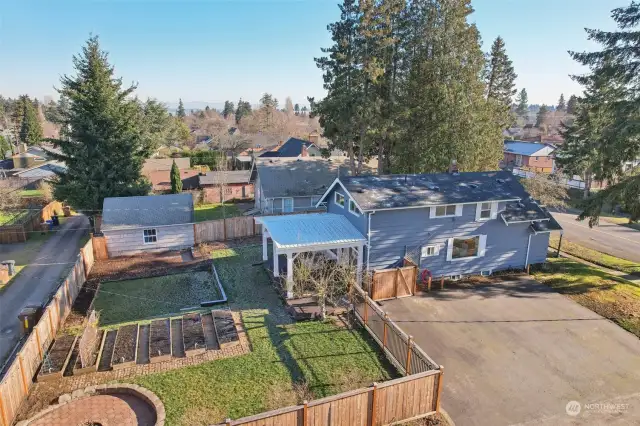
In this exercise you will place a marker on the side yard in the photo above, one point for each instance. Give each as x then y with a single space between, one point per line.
594 256
216 211
289 361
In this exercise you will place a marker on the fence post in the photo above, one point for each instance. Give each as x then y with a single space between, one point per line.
374 403
50 324
395 283
365 311
407 367
38 342
384 330
224 228
305 412
415 281
429 284
439 389
24 376
442 282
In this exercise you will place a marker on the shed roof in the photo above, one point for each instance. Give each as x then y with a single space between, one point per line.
44 171
146 211
157 164
217 177
425 190
528 148
297 178
310 230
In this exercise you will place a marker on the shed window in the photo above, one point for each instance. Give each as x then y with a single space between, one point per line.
445 211
339 199
287 205
150 236
428 251
353 208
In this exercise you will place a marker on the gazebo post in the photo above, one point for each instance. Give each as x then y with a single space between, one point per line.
359 264
276 267
265 248
289 275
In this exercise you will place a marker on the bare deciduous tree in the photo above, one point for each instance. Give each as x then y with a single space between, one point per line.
544 188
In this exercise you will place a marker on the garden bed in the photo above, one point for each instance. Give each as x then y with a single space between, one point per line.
124 351
92 365
160 341
57 358
146 265
193 335
106 353
225 327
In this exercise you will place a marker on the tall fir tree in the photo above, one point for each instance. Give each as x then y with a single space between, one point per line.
243 109
105 135
180 111
562 106
617 64
228 109
542 115
296 109
499 75
30 126
176 181
572 104
522 104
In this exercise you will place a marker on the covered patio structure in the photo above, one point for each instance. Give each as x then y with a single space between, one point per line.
330 233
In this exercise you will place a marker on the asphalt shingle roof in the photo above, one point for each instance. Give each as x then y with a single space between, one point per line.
524 211
291 148
402 191
297 178
152 210
215 178
158 164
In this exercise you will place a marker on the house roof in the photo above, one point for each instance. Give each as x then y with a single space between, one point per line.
524 211
315 229
291 148
528 148
145 211
216 177
157 164
297 178
424 190
546 226
44 171
161 180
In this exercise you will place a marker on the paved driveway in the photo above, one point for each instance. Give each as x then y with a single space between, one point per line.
609 238
517 352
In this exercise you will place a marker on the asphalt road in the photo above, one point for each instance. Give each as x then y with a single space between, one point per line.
607 238
39 280
517 352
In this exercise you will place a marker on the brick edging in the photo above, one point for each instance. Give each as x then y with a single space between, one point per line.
113 389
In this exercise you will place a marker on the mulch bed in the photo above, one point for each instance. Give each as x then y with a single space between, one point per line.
193 334
124 353
159 341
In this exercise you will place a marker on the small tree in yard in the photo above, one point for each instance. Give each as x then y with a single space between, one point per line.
176 181
326 279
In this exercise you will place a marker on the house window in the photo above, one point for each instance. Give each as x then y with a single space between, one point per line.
446 211
287 205
428 251
485 211
353 208
339 199
466 247
518 160
150 236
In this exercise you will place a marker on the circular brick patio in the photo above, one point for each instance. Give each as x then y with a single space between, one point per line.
113 405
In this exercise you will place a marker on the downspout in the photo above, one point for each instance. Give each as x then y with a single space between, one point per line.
369 239
526 261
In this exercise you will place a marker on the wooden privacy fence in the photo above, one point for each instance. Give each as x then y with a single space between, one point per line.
225 229
19 232
100 250
393 283
19 374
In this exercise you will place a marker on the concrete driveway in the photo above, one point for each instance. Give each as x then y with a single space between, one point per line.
607 238
517 352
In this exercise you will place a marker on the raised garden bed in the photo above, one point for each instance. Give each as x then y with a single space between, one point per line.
225 327
160 341
57 358
193 335
124 352
106 352
92 365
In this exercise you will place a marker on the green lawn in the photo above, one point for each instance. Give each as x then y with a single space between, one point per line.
596 257
31 193
612 297
623 221
10 217
134 300
289 361
216 211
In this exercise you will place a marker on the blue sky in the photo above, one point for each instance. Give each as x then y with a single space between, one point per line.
212 50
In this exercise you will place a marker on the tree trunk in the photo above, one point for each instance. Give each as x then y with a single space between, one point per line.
587 185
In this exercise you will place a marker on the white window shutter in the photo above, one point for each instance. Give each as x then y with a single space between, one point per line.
432 212
478 211
494 210
459 209
483 246
449 248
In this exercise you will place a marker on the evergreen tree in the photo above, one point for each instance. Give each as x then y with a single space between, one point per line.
572 104
561 104
176 181
30 126
107 138
180 111
499 75
288 106
244 109
4 147
617 64
522 103
542 115
296 108
228 109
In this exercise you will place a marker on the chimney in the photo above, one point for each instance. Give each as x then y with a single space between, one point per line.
314 138
453 167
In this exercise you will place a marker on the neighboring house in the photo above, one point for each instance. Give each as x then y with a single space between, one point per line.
164 164
153 223
533 156
293 148
290 186
450 223
44 171
229 185
161 180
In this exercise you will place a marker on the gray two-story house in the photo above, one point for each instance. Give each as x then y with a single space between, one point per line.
451 223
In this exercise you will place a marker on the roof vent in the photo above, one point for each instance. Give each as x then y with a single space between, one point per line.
500 181
473 185
360 191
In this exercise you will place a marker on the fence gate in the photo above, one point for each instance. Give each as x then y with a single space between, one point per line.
394 283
